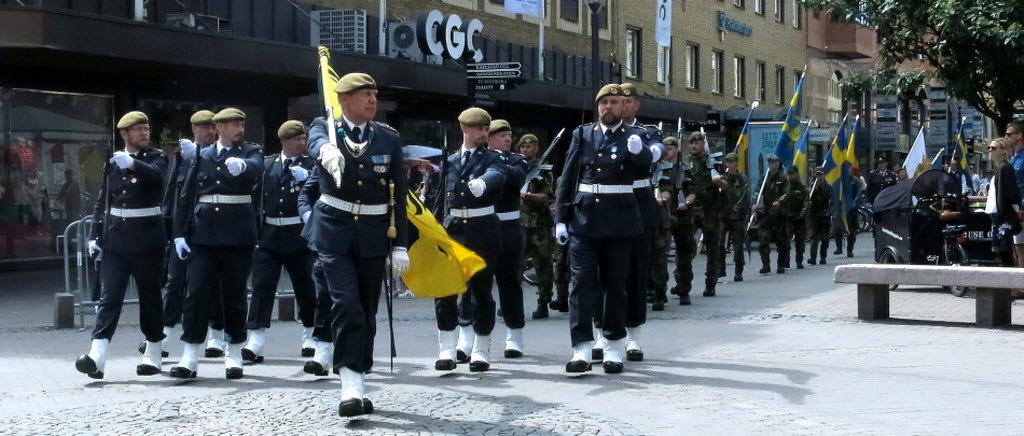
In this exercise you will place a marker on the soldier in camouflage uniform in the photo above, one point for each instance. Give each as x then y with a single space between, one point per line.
735 215
699 210
537 223
796 210
664 172
819 211
772 221
560 256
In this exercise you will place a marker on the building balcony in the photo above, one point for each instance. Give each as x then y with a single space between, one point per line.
850 41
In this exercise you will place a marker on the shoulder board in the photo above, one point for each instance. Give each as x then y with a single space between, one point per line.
650 126
270 158
384 125
547 167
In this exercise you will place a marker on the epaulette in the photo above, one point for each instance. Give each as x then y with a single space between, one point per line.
384 125
547 167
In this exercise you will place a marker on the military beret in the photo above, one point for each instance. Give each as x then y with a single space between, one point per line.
629 90
291 129
732 157
611 89
132 118
696 136
670 140
229 114
771 156
202 118
475 117
352 82
529 137
498 126
882 159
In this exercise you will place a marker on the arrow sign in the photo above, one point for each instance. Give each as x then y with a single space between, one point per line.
495 66
493 74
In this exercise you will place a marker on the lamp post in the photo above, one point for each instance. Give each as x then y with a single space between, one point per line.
595 73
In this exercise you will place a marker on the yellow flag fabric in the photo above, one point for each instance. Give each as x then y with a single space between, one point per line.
327 78
438 266
742 146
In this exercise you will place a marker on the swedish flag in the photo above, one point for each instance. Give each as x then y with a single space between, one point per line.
851 150
800 154
961 145
792 129
834 159
742 146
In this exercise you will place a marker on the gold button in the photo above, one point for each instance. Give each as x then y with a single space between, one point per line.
124 219
360 183
124 178
280 213
355 218
464 221
597 200
216 209
124 191
360 166
218 182
282 188
598 170
359 201
280 201
462 194
600 155
218 168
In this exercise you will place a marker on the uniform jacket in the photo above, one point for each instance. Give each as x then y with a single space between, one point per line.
736 196
138 188
223 225
776 189
281 200
796 200
707 195
515 169
819 202
645 196
534 213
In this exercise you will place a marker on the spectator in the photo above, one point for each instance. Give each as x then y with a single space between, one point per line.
71 195
962 177
901 174
879 179
1004 202
1015 137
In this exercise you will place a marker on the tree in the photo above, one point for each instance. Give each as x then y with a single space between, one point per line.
976 47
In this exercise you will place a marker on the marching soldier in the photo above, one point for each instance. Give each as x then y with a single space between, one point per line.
701 210
474 179
356 225
130 236
281 243
560 257
796 212
537 222
736 213
598 208
323 336
819 210
215 227
508 271
665 173
772 224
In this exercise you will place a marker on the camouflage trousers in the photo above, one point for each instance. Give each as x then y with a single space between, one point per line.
539 243
819 230
560 256
798 231
737 228
684 232
772 230
661 242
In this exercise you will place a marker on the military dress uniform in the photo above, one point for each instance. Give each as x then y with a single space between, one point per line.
130 234
819 211
772 225
537 223
734 217
281 244
796 212
216 221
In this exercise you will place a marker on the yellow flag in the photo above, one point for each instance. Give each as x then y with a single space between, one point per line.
438 266
326 81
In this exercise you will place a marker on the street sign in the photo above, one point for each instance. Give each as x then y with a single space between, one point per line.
494 70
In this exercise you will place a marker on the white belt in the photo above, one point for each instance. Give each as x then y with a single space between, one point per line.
225 199
471 213
353 208
136 213
508 216
286 221
642 183
605 189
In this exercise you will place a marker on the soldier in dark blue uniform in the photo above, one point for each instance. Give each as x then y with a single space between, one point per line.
599 217
130 236
215 226
474 179
323 336
281 242
356 225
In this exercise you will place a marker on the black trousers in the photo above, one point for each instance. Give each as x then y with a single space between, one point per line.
209 266
174 289
322 312
508 274
639 277
115 270
354 284
477 307
266 275
600 267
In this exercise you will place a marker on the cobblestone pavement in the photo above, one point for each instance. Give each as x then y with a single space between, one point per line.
778 354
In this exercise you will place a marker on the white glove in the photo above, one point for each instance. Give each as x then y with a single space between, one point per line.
399 260
634 144
656 152
122 159
561 234
305 216
235 165
477 187
300 174
181 247
94 248
188 149
333 161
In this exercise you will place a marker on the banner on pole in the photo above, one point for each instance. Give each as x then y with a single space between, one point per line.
663 28
526 7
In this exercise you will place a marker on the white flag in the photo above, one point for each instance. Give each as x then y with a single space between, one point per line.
526 7
663 28
916 155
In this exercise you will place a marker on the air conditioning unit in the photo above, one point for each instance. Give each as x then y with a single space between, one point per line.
206 23
402 44
339 29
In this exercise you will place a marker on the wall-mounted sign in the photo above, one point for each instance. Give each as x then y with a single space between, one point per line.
449 36
732 25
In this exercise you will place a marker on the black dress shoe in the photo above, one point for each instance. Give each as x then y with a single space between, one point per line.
367 406
634 355
849 254
596 355
214 352
315 368
232 373
765 270
674 290
709 292
684 300
444 365
249 356
799 266
837 252
737 278
461 356
143 369
513 354
541 312
351 407
823 261
559 305
577 366
780 270
612 367
142 347
658 306
479 366
811 262
85 365
182 372
308 352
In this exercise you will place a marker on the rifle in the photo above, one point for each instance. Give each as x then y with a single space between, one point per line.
760 199
707 152
536 170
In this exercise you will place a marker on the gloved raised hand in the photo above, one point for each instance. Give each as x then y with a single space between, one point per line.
634 144
561 234
122 159
656 152
94 248
188 149
300 174
235 165
181 248
399 260
333 161
477 187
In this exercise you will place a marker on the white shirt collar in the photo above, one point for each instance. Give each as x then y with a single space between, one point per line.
466 148
351 125
605 129
222 147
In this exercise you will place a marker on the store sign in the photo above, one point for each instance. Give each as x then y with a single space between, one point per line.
887 122
449 37
732 25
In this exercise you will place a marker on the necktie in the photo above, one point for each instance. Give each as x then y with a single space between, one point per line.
357 134
465 157
222 152
288 163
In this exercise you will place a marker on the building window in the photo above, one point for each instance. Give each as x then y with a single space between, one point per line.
780 11
633 60
571 10
739 77
760 81
739 3
664 71
692 66
797 75
759 7
602 18
498 2
780 84
717 73
796 14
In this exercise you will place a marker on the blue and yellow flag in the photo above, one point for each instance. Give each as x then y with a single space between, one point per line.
851 149
961 145
326 79
800 153
836 155
743 146
792 128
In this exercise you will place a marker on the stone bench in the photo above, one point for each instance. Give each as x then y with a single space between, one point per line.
993 287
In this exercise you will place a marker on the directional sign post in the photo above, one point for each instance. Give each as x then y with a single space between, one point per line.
493 76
